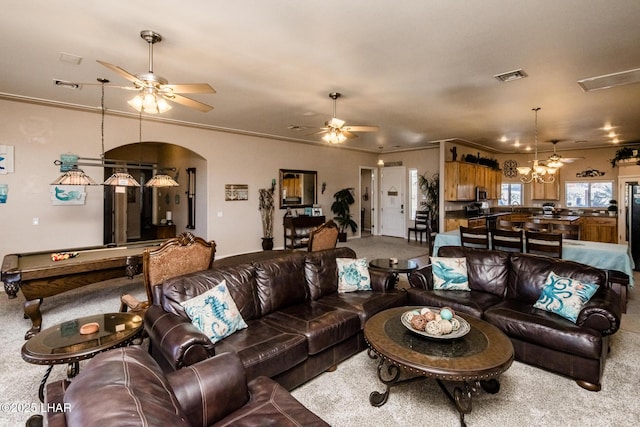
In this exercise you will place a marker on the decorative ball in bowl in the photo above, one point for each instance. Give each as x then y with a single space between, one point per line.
439 323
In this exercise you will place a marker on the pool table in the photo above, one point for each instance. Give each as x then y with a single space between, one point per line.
38 276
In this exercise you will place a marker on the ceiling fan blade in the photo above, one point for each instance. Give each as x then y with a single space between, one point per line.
348 134
190 88
122 72
362 128
191 103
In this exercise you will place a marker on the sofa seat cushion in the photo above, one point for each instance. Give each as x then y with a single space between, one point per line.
524 322
473 302
264 349
270 404
322 325
122 386
365 303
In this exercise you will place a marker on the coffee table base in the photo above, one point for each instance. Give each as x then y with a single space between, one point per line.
461 395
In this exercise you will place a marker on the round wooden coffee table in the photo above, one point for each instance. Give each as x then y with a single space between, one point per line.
64 343
469 362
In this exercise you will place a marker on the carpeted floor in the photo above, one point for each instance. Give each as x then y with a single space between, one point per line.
529 396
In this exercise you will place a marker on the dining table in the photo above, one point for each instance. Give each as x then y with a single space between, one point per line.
606 256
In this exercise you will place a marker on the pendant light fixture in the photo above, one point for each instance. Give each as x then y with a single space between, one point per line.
120 178
539 173
158 180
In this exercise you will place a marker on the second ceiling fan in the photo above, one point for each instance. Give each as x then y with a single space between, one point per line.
336 131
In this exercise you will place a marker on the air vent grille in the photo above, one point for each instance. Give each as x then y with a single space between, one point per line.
511 76
610 80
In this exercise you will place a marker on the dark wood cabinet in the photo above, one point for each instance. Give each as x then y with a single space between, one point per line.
165 231
298 228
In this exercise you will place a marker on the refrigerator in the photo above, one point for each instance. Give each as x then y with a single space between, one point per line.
633 222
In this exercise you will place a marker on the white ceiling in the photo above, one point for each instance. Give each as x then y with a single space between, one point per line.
421 70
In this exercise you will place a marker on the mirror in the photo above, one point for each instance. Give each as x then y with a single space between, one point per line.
298 188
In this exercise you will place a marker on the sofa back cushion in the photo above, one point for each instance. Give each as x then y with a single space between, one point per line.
280 282
241 283
488 270
321 271
122 386
529 274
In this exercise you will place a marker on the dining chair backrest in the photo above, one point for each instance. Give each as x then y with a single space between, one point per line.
507 240
568 231
539 227
420 226
323 237
474 237
548 244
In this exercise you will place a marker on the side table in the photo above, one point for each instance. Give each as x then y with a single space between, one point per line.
396 267
64 343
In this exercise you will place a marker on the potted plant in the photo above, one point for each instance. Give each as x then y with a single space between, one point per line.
340 208
430 188
266 212
613 207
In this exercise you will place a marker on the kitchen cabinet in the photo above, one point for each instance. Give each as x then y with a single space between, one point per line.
455 223
550 191
461 180
597 229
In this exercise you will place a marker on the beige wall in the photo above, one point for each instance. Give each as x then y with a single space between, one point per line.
40 134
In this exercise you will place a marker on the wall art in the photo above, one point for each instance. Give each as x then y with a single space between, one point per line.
62 195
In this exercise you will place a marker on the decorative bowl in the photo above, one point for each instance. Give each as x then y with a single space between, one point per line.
462 330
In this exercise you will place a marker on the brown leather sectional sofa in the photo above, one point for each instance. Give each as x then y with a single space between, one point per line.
504 287
125 386
298 324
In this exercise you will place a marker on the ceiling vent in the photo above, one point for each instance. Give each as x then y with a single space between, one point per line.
68 85
610 80
511 76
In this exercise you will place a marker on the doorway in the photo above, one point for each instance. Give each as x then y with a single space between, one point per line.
392 201
623 206
367 201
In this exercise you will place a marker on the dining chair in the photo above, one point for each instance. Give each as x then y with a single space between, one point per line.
474 237
175 257
420 226
507 240
568 231
323 237
548 244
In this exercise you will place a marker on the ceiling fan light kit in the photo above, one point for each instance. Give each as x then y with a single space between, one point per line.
335 131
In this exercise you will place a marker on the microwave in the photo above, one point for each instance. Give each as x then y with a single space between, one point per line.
481 194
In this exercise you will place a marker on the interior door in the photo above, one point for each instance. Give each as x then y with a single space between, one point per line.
392 201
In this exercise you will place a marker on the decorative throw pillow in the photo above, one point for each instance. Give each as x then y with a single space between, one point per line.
353 275
565 296
215 313
449 274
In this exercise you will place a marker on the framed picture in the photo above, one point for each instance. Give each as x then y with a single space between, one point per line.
6 159
62 195
236 192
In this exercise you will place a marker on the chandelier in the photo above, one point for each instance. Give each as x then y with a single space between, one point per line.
542 174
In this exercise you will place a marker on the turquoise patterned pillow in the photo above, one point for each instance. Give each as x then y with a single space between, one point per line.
449 274
565 296
215 313
353 275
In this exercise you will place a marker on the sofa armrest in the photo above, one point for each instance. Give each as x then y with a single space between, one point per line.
422 278
210 389
179 341
382 281
54 397
602 312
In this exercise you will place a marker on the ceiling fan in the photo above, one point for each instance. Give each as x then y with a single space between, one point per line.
154 90
556 159
336 131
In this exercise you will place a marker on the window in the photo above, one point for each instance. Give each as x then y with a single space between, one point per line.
510 194
413 192
588 194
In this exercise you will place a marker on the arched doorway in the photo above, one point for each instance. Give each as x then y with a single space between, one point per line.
140 213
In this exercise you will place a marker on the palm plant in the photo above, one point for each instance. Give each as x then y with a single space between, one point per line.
430 188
